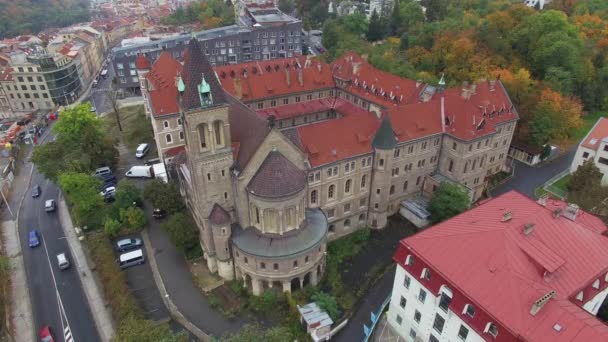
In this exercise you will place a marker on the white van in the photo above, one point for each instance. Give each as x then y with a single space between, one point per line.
141 151
140 172
62 261
133 258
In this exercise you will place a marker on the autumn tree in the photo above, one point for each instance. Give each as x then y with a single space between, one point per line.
555 118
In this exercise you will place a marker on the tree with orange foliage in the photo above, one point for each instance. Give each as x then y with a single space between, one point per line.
556 118
212 22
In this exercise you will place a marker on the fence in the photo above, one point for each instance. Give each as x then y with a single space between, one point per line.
554 190
368 331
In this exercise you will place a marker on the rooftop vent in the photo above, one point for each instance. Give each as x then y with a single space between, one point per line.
528 228
506 217
537 305
542 200
557 212
571 211
557 327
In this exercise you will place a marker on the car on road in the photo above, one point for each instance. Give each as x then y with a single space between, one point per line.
46 334
33 239
103 171
124 245
158 213
62 261
36 191
142 149
49 205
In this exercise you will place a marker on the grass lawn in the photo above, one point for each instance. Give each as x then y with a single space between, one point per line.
136 128
589 120
562 183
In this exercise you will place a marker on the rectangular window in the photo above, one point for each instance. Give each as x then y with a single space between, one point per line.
444 302
402 302
422 296
438 324
601 161
463 332
454 146
362 202
413 333
399 319
406 282
433 339
585 155
417 316
347 207
331 213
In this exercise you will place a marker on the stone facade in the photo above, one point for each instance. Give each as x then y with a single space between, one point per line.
268 196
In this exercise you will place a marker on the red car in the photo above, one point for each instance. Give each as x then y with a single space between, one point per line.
46 335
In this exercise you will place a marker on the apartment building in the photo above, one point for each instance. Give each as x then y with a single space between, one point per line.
594 146
278 36
510 269
276 157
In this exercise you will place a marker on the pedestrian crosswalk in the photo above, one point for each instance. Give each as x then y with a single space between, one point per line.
67 334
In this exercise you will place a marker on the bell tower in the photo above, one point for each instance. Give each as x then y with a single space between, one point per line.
209 152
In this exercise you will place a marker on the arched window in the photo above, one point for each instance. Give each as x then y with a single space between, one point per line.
169 138
270 221
363 179
466 167
361 217
392 191
405 186
257 215
418 180
347 186
219 132
426 274
409 260
347 223
202 134
331 191
469 310
491 329
313 197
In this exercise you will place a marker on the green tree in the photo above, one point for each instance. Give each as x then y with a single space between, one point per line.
375 30
448 201
585 189
164 196
287 6
254 333
394 25
327 303
143 330
111 227
182 231
435 9
81 191
133 217
127 193
355 23
410 15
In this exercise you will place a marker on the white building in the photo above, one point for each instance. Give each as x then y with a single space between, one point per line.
510 269
594 147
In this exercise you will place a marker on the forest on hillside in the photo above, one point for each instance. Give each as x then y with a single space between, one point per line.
19 17
553 62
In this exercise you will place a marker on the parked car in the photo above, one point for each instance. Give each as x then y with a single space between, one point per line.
158 213
93 110
109 191
62 261
141 151
34 239
140 172
109 199
102 171
49 205
36 191
46 334
128 244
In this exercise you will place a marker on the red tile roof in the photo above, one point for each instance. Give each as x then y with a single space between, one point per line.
6 74
594 138
293 110
172 152
272 78
163 89
142 62
490 262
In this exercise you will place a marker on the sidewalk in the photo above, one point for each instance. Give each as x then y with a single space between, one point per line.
103 320
21 318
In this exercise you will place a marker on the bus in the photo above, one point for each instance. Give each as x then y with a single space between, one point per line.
132 258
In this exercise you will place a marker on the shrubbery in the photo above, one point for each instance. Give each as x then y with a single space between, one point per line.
184 233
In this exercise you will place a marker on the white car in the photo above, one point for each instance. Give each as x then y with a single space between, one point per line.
108 191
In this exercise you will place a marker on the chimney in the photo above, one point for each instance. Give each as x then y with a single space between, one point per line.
492 85
542 200
557 212
272 121
571 211
238 88
537 305
301 77
288 77
528 228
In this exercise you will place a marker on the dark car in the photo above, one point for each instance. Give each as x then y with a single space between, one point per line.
33 239
36 191
158 213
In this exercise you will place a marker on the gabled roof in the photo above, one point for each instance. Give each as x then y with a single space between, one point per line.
277 177
162 87
488 260
599 132
385 137
196 67
219 216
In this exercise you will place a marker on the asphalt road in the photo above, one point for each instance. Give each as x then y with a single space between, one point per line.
58 299
98 97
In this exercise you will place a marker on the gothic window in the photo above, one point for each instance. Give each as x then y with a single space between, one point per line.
257 215
202 134
169 138
219 132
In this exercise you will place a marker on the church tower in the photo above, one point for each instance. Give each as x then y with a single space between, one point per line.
384 145
209 154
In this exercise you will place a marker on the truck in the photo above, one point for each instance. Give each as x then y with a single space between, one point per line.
140 172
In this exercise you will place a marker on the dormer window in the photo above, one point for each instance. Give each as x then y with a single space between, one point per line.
491 329
579 296
409 260
426 274
469 310
596 284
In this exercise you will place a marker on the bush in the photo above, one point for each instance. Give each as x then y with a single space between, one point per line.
133 218
111 227
265 303
183 232
127 193
327 303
